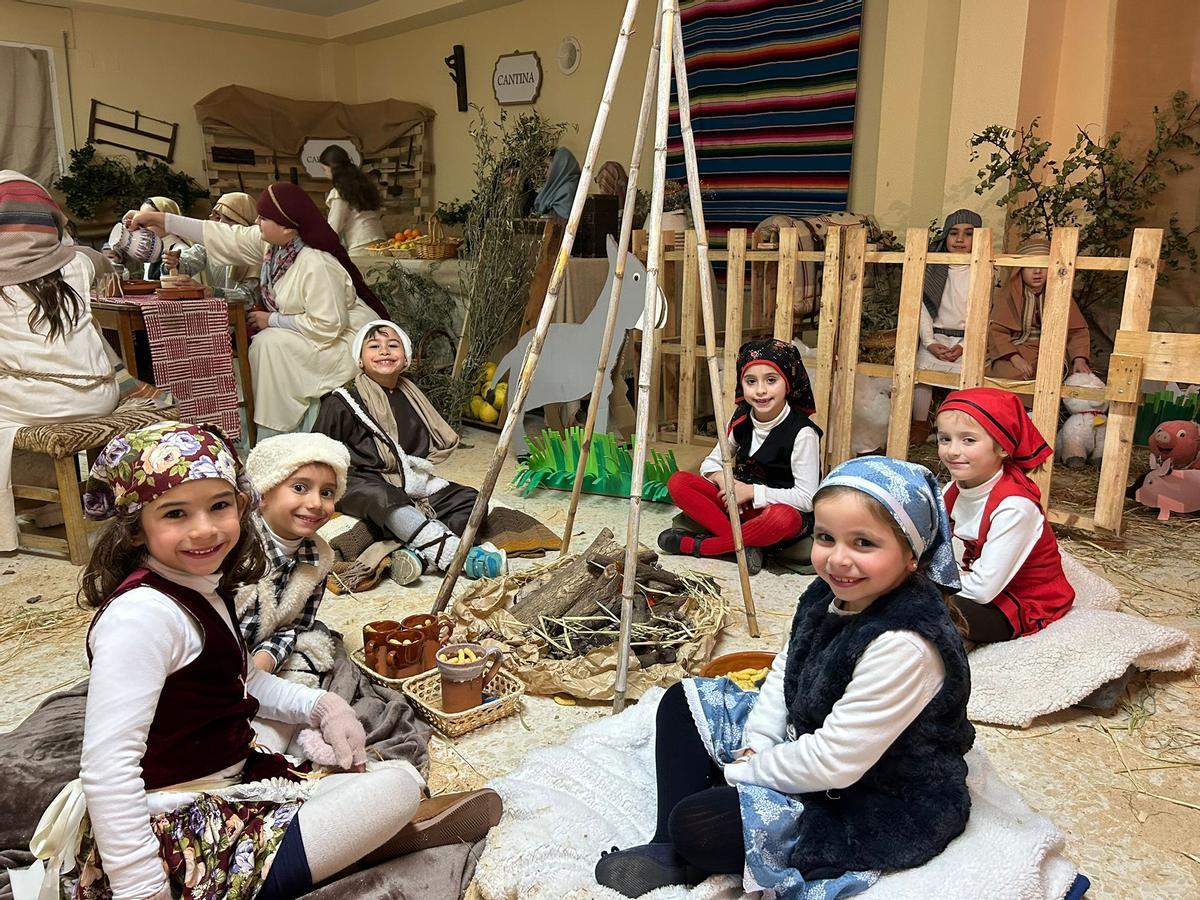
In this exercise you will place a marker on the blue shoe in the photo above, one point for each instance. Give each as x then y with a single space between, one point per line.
407 566
485 561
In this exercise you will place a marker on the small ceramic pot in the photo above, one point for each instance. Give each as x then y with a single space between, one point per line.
405 648
437 630
463 684
374 640
141 245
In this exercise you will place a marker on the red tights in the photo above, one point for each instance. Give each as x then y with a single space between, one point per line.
701 499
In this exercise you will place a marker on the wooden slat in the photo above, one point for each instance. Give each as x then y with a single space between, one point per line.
908 321
937 378
785 291
735 293
1082 263
1124 378
1056 312
27 540
1122 416
979 307
827 324
753 255
687 331
850 319
1166 356
1071 519
35 492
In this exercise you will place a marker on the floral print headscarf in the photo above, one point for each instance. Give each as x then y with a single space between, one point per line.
139 467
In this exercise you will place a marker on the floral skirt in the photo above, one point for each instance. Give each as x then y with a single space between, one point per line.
769 831
212 849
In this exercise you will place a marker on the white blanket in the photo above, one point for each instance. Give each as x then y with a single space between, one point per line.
1014 682
565 804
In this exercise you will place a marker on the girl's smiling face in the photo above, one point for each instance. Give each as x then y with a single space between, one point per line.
970 454
383 356
960 239
765 389
856 551
193 526
301 503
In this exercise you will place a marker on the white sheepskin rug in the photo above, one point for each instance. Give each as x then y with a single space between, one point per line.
565 804
1014 682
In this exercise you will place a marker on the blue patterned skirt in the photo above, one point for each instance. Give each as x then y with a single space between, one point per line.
720 709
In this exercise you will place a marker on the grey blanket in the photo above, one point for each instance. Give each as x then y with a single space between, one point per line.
42 754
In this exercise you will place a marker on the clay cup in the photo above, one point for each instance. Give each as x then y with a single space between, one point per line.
463 684
437 630
404 659
374 640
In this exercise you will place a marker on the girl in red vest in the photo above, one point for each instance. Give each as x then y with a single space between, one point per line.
776 462
1012 575
179 802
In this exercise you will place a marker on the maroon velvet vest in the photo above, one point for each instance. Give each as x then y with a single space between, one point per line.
202 721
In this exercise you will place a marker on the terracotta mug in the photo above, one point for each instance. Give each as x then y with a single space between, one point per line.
374 638
437 630
405 649
463 683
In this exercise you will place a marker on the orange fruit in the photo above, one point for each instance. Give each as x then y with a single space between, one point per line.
399 236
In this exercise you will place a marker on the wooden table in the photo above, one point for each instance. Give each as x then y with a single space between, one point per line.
126 319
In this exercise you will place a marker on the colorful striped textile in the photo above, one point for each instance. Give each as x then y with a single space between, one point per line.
773 86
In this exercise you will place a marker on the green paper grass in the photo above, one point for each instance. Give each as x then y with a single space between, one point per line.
553 458
1164 406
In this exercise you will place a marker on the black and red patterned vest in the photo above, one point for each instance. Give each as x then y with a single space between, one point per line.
202 721
771 463
1039 593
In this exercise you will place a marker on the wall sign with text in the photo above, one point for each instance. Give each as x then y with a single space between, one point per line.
310 154
517 78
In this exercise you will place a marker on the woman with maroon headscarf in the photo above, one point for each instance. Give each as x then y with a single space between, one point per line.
315 299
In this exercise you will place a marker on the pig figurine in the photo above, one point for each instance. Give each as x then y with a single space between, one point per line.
1081 437
1171 490
1177 441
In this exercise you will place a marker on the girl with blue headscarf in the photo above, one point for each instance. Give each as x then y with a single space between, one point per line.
849 761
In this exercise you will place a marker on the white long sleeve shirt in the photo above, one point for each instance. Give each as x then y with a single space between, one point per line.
143 637
952 310
1014 531
895 678
806 465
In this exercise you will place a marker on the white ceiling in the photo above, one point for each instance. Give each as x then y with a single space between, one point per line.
325 8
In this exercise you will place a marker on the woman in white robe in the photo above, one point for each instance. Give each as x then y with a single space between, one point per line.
314 296
53 362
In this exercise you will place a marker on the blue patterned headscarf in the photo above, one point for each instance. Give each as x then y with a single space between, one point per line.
911 494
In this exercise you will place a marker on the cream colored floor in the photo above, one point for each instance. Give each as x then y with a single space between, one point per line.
1070 767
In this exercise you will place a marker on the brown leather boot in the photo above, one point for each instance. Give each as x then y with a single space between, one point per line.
449 819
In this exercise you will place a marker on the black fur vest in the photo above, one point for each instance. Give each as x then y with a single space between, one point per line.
914 801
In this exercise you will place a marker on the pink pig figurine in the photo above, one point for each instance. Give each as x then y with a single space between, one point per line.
1171 491
1177 441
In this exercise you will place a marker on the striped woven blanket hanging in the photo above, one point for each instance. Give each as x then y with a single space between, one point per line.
773 86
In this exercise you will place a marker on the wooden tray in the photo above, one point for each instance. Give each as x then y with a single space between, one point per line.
424 691
186 293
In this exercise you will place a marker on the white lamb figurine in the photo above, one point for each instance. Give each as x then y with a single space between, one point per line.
872 407
1081 437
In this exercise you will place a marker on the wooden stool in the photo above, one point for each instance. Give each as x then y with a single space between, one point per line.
62 443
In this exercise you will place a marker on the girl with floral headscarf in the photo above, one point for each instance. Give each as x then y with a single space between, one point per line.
314 298
776 462
849 760
174 798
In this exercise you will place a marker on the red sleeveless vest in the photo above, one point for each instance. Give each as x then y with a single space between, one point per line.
202 721
1039 593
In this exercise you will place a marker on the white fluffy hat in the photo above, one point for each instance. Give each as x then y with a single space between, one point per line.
275 458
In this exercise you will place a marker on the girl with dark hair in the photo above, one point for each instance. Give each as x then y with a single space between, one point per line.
354 203
315 299
168 770
53 363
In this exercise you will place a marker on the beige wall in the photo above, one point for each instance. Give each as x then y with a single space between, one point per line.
160 68
411 66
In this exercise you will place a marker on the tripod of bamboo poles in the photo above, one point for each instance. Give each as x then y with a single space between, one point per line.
666 53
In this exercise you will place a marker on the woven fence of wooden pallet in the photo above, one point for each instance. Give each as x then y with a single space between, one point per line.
403 172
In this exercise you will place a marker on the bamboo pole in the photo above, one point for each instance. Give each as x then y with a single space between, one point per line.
614 298
653 261
517 407
710 328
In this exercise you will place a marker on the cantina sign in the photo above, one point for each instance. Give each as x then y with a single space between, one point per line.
517 78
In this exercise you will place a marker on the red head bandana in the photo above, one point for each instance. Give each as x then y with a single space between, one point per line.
1001 415
287 204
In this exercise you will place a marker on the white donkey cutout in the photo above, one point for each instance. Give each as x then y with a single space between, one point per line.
566 367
